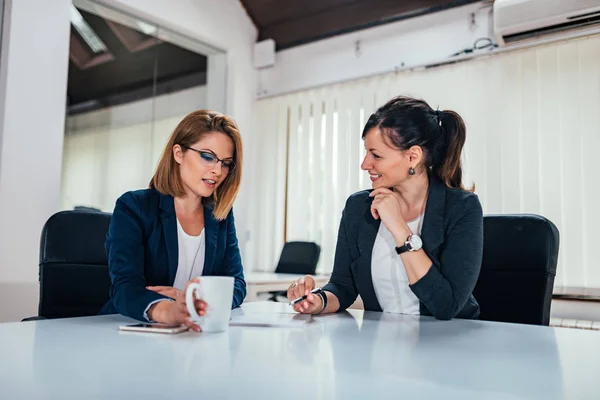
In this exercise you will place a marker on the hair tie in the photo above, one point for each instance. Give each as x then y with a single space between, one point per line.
437 115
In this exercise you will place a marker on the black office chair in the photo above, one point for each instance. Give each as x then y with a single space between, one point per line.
520 253
74 278
297 258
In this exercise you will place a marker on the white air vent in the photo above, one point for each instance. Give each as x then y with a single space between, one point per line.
517 21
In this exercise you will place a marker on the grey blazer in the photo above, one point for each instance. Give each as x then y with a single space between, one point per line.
452 234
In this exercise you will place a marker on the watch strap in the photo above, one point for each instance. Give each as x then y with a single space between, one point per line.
323 296
402 249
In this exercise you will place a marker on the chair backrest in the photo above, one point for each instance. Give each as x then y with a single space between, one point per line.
74 278
299 258
520 253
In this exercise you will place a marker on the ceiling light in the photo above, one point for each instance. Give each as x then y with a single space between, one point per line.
86 32
146 28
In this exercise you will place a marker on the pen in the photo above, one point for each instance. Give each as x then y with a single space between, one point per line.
299 299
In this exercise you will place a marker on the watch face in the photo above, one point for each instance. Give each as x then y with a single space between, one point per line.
415 242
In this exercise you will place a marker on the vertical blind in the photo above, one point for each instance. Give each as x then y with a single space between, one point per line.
532 137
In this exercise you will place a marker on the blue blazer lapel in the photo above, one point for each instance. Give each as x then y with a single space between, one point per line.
169 223
211 230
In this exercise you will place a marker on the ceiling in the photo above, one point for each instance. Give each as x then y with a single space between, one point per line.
295 22
127 68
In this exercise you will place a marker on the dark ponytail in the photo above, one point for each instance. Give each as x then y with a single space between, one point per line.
407 122
448 168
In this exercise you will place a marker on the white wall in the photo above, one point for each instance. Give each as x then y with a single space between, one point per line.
413 42
32 109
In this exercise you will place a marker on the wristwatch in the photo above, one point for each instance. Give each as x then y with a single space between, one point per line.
413 243
323 296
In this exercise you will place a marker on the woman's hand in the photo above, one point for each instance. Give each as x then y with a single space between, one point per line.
386 206
175 312
302 287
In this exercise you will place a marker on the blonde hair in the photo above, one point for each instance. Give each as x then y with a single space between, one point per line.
190 130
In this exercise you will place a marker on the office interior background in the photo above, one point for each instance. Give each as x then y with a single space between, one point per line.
91 89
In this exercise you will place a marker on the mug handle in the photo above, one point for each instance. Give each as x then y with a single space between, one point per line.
189 300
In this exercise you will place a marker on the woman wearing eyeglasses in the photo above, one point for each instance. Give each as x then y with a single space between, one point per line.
181 227
413 244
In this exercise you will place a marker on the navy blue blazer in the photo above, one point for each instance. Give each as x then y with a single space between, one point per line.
142 250
452 235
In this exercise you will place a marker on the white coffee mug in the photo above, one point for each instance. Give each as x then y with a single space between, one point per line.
217 292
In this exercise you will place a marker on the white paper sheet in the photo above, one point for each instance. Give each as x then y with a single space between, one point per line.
278 320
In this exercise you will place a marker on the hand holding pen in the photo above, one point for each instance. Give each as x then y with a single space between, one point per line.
299 299
303 297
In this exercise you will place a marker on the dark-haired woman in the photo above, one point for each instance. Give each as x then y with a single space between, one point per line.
414 243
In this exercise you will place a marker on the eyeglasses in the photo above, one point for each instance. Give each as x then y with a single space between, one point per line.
210 159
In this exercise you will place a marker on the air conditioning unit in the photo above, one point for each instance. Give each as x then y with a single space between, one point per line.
519 21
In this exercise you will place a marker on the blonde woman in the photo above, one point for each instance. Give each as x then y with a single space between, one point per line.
181 227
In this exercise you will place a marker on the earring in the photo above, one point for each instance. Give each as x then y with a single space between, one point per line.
411 171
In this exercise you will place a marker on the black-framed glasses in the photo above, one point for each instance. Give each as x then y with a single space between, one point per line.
210 159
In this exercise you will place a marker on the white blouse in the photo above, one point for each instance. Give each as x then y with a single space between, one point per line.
389 276
191 260
191 257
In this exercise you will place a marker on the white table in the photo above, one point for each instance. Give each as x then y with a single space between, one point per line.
261 282
350 355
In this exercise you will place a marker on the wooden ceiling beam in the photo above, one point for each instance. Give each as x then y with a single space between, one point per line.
83 57
271 12
132 39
